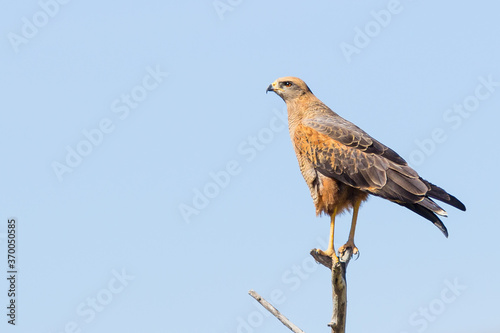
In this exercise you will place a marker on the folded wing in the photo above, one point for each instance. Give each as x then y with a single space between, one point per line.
342 151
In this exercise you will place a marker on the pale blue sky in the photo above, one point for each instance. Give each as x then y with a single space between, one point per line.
115 117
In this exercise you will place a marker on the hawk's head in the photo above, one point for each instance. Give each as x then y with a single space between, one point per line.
289 88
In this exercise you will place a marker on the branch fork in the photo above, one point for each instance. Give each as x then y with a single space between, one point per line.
339 292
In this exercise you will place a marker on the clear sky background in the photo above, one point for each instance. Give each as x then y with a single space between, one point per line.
154 183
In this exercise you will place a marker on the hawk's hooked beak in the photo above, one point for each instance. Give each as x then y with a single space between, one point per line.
270 88
274 87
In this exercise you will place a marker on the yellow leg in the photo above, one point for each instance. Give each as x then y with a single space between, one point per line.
350 241
330 252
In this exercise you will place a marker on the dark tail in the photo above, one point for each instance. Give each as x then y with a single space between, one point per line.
428 214
416 194
428 208
438 193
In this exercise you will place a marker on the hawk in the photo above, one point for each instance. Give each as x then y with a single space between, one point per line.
342 164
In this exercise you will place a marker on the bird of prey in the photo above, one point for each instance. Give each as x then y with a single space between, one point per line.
342 164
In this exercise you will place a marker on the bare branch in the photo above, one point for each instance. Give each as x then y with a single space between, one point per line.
321 259
339 293
275 312
339 287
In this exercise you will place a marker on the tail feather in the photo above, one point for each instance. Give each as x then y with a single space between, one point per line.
428 214
439 194
416 194
432 206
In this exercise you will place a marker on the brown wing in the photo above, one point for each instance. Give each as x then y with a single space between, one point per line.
351 135
351 157
340 150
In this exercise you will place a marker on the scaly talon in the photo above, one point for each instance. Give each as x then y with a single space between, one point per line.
349 245
328 253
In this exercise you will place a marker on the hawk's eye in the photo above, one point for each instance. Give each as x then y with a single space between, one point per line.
287 84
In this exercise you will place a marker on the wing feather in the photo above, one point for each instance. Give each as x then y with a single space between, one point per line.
345 153
341 150
412 185
351 135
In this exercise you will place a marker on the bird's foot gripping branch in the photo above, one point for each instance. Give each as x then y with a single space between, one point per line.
339 291
339 286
